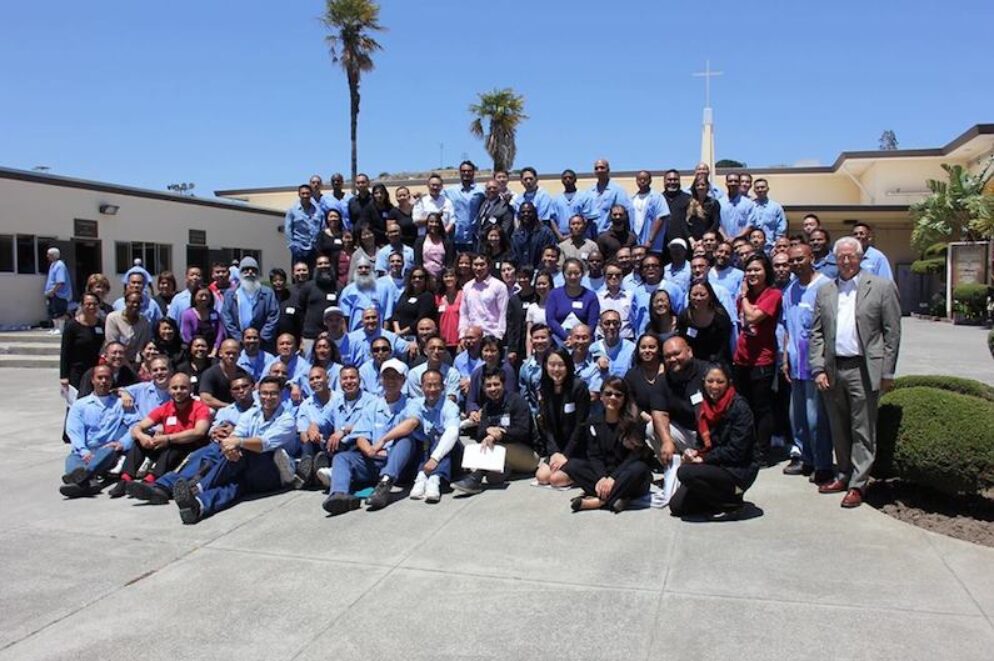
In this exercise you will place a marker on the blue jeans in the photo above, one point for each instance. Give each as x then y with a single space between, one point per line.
227 481
809 422
422 452
196 464
103 460
353 467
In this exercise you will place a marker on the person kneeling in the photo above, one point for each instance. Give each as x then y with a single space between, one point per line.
615 469
374 457
714 479
505 419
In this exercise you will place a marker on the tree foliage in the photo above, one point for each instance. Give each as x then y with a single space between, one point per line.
959 208
502 110
729 163
350 25
888 140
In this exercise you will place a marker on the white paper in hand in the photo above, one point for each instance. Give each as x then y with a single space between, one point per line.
477 457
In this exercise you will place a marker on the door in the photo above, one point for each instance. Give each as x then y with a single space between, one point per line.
87 260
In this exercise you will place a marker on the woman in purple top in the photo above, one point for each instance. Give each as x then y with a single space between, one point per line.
571 304
203 320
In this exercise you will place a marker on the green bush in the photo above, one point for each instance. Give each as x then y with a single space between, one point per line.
971 300
936 438
949 383
990 342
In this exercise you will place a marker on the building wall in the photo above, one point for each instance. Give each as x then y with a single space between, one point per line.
48 210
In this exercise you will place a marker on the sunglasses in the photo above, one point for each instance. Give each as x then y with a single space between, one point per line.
612 393
381 349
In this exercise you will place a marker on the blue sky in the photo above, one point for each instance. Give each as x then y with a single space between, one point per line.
232 95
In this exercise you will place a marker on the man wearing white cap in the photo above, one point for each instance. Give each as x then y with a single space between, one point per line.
373 459
250 305
678 270
334 323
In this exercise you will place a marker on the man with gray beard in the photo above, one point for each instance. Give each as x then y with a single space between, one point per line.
364 291
251 305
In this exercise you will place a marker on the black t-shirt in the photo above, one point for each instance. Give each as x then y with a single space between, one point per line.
214 382
408 230
409 310
313 300
683 394
642 391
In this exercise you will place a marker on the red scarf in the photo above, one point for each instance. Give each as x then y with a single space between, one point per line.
711 414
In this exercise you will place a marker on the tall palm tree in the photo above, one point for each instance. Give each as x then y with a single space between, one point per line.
504 110
960 206
350 24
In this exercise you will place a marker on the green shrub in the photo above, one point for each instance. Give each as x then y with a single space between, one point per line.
949 383
971 300
929 266
990 342
936 438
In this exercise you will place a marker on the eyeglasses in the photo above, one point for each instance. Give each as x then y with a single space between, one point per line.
380 349
610 323
612 393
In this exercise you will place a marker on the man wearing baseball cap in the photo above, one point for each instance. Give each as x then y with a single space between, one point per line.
678 270
373 459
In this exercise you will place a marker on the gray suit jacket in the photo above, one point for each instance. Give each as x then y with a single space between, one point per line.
878 326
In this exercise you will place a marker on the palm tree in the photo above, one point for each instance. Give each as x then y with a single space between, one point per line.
350 23
960 206
504 110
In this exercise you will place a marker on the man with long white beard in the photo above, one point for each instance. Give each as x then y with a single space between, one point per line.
251 305
364 291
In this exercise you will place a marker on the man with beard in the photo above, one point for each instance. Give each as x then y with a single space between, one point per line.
360 294
316 295
649 224
220 283
572 202
618 235
606 195
494 210
723 272
821 253
183 300
738 212
301 226
361 339
251 305
394 244
677 200
530 238
253 359
466 200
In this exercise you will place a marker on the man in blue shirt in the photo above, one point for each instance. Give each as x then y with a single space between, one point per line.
723 272
612 352
822 255
569 203
532 193
314 425
678 270
250 305
812 449
253 359
248 464
135 282
466 199
874 261
343 198
373 458
432 422
395 244
99 434
345 411
649 222
58 290
301 226
770 216
606 194
184 300
361 339
738 212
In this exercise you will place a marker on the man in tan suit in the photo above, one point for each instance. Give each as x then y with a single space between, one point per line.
853 351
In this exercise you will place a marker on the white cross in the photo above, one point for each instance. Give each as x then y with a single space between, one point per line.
707 74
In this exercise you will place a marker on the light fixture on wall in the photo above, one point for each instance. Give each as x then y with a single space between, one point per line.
109 209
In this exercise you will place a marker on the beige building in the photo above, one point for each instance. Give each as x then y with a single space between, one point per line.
102 228
876 187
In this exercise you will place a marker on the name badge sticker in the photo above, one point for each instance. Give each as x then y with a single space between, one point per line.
331 297
171 420
691 332
696 398
505 421
441 308
291 310
577 305
412 300
570 407
98 330
337 242
194 379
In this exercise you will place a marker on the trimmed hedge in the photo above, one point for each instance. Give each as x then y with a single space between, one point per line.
936 438
948 383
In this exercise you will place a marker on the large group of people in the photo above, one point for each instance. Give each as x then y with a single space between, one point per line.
450 340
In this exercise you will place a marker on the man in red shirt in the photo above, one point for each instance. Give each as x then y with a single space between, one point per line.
183 423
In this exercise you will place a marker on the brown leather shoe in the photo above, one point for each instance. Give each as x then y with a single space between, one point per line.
854 498
835 486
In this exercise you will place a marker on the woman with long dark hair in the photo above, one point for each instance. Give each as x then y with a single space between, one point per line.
615 469
705 325
169 343
198 362
415 303
203 320
755 357
564 405
714 478
703 211
82 339
435 250
662 321
495 245
448 304
403 214
331 240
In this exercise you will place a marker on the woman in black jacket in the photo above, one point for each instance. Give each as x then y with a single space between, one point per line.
82 340
714 478
169 343
416 303
705 325
703 211
615 469
563 408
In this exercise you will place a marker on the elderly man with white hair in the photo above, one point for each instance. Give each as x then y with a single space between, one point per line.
251 305
855 337
58 291
363 292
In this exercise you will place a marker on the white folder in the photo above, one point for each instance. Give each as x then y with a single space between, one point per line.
477 457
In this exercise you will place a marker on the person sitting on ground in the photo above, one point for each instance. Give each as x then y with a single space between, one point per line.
314 426
97 427
216 380
613 353
373 459
714 477
615 469
530 374
122 374
504 418
492 353
564 404
435 354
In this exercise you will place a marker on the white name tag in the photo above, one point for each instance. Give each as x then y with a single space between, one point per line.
291 310
505 421
593 432
691 332
193 379
583 255
441 308
98 330
412 300
569 408
171 420
330 297
696 398
337 242
577 305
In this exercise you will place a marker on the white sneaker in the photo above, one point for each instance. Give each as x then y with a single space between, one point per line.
433 490
284 464
420 485
324 477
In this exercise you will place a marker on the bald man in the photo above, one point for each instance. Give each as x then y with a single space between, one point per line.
606 194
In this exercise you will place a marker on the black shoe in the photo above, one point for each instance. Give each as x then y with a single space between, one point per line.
340 503
193 513
305 469
576 504
149 493
118 489
76 476
321 460
381 494
87 488
470 485
183 494
820 477
795 467
619 505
